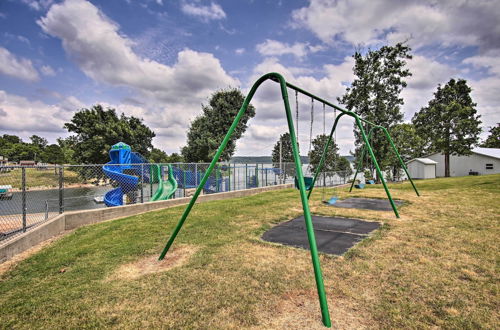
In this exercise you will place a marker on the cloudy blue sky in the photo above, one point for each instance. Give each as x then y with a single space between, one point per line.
161 59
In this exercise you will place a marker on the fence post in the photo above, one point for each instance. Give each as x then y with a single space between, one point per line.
196 175
266 177
246 176
151 175
184 179
229 177
142 183
216 178
61 189
23 196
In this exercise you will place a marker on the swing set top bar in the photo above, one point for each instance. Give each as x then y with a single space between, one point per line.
299 175
347 112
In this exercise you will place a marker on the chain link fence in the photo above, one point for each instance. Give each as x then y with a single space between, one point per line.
31 195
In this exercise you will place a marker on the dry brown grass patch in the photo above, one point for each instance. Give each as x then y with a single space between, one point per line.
150 263
299 309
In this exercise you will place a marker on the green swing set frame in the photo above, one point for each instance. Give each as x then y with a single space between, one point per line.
276 77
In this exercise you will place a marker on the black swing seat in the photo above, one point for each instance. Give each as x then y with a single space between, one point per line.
308 180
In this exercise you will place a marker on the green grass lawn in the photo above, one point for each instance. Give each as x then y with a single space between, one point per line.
36 178
436 266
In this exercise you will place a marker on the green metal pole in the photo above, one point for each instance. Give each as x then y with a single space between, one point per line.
379 173
307 213
323 156
400 159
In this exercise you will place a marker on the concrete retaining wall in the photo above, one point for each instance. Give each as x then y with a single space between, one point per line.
72 220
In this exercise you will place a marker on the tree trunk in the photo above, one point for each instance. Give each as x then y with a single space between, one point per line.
447 164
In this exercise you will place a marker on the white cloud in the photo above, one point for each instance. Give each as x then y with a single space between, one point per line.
20 68
38 4
427 74
106 56
277 48
489 60
205 13
23 115
171 95
446 22
47 71
239 51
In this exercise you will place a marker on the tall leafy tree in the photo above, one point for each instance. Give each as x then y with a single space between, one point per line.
332 157
160 156
208 130
96 130
53 154
375 93
409 144
286 154
22 151
449 123
10 139
493 140
343 168
67 148
39 141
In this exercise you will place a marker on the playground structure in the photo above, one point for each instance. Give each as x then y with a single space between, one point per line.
130 170
226 177
276 77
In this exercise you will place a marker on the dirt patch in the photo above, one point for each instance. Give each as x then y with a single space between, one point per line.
150 264
299 309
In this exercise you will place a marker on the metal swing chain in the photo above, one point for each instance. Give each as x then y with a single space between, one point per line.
297 114
311 129
324 130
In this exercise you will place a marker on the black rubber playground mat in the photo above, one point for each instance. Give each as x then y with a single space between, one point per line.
333 235
367 204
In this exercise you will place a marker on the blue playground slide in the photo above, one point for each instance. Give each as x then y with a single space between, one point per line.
123 169
120 155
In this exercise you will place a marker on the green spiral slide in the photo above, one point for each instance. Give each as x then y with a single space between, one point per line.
167 188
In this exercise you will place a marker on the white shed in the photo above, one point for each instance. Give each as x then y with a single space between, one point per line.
422 168
481 161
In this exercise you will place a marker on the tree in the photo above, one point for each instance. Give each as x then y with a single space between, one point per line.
38 141
409 144
67 148
332 156
96 130
493 140
175 158
286 154
11 139
207 131
375 93
21 151
449 123
160 156
53 154
343 168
